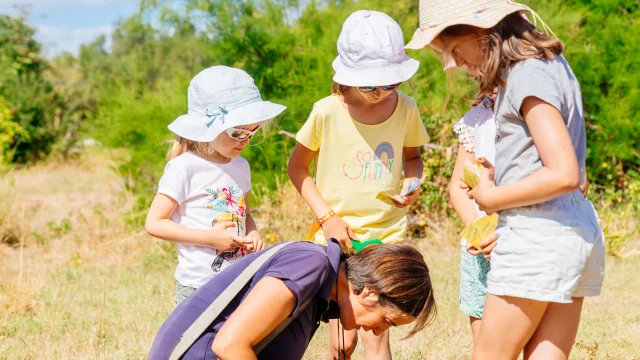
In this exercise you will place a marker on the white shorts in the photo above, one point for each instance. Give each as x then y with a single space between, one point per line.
548 252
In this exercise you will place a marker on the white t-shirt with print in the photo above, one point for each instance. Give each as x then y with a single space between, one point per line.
205 192
477 133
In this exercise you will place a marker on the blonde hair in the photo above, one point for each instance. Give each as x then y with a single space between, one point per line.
180 145
512 40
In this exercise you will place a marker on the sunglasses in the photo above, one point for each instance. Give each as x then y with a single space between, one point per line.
241 134
368 89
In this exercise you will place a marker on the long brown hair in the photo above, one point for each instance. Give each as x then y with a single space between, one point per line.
512 40
401 276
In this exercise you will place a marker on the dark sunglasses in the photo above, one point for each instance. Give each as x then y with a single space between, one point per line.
368 89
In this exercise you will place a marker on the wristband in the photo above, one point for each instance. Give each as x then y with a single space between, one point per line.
324 219
318 224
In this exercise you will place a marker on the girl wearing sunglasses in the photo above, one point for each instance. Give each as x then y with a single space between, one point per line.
366 138
202 204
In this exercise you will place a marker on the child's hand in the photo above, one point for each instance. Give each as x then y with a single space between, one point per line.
338 229
256 242
405 201
486 182
219 238
487 246
584 187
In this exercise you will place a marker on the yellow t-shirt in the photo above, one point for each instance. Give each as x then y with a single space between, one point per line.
356 161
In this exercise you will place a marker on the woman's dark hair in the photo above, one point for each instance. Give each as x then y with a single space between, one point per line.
401 276
512 40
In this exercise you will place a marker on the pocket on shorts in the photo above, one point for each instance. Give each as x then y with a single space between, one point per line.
558 244
575 240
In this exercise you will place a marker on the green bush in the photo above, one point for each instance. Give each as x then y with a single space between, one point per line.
38 119
288 47
9 132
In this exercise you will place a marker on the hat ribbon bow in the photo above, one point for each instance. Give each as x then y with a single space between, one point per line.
213 115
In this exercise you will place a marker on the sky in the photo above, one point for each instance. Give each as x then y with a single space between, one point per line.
63 25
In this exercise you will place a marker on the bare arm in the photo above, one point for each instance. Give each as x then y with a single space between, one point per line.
160 225
463 204
559 175
298 170
250 222
412 162
459 199
251 227
268 304
413 167
584 187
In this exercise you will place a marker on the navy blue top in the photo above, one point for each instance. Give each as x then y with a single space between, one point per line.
307 269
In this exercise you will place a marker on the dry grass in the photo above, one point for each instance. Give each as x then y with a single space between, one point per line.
86 286
283 214
609 329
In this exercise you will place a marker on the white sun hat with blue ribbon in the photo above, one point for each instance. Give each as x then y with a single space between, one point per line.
220 98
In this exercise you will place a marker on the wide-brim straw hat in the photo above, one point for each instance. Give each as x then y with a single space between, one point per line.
437 15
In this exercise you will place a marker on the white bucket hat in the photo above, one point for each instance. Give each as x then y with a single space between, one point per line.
220 98
437 15
371 52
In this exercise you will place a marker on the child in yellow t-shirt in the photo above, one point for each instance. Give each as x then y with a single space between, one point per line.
363 137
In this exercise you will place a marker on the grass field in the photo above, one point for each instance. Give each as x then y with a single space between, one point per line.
76 282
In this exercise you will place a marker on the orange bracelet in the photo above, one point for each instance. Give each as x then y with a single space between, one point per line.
324 219
318 224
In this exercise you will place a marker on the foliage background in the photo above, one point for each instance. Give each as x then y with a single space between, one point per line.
79 277
126 97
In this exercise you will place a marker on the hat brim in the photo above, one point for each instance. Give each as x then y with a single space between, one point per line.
194 126
485 20
372 76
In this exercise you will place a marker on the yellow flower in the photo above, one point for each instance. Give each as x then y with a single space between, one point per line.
605 165
422 223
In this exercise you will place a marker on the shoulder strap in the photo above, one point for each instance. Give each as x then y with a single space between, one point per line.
280 328
207 317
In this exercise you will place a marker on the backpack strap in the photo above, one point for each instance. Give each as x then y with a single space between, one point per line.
209 315
280 328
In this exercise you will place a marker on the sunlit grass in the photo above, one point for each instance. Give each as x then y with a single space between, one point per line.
87 286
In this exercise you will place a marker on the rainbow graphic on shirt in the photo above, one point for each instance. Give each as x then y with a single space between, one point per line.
384 148
372 166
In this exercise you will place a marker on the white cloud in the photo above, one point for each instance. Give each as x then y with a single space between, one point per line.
57 40
71 28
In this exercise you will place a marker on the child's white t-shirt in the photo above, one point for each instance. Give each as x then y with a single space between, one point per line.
205 192
477 133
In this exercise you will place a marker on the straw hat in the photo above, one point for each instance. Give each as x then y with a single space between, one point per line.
220 98
437 15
